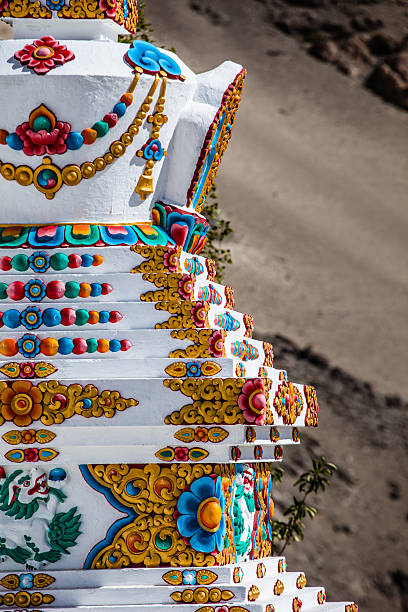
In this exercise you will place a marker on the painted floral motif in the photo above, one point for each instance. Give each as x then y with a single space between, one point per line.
42 134
21 403
171 259
201 514
201 434
252 401
55 5
35 290
189 577
185 286
193 369
199 314
31 318
28 369
39 261
44 55
28 436
3 5
29 345
181 453
216 344
110 7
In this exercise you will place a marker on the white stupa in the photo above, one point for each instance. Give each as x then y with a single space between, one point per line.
138 417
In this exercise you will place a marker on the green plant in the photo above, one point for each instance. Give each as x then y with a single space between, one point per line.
313 481
220 230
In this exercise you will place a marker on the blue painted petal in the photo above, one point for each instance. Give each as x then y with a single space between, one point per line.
220 493
203 541
187 525
188 503
203 487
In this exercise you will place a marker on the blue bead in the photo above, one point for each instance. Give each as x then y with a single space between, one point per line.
103 316
65 346
57 474
86 403
14 142
119 109
96 289
74 141
51 317
114 346
11 318
87 260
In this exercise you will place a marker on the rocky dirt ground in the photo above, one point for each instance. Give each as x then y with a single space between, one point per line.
315 185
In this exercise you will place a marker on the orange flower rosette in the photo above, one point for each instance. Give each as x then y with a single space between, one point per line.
21 403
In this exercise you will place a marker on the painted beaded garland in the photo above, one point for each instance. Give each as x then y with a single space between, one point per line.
35 138
44 134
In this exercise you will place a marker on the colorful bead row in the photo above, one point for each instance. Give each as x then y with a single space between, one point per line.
75 140
30 346
41 262
36 290
33 318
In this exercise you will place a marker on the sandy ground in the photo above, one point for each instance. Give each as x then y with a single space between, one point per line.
315 184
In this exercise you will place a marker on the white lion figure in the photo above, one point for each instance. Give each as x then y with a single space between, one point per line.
31 531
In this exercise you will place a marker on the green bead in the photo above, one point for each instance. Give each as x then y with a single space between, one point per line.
92 345
3 291
59 261
20 262
72 289
101 128
82 317
42 123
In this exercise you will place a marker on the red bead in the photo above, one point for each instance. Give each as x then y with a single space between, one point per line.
125 345
15 290
115 316
106 288
68 316
61 399
5 263
1 319
80 346
75 261
55 290
111 119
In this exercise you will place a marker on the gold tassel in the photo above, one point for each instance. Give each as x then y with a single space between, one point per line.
144 185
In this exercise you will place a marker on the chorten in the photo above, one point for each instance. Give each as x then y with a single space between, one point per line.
138 417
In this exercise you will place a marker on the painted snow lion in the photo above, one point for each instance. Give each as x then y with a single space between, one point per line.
31 531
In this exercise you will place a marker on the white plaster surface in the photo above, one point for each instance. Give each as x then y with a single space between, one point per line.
81 92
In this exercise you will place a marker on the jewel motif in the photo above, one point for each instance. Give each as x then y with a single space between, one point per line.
44 55
31 455
40 369
42 133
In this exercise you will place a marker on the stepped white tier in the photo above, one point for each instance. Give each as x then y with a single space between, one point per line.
138 417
